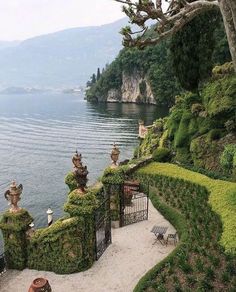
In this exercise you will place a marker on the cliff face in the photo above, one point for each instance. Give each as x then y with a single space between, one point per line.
134 89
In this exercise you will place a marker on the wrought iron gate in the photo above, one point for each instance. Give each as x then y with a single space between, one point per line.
133 206
102 228
2 263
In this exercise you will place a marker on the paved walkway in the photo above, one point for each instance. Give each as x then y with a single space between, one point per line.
130 256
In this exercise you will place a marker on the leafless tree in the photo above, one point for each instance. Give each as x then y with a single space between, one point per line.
172 18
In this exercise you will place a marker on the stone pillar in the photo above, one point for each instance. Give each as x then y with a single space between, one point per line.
113 182
14 227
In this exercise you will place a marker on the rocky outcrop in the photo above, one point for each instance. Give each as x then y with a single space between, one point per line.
134 89
114 95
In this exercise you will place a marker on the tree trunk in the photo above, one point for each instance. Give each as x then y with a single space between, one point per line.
228 11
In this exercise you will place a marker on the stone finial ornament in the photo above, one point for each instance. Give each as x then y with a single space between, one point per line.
115 156
76 159
13 196
80 172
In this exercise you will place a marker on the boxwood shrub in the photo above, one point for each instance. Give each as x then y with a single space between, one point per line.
203 211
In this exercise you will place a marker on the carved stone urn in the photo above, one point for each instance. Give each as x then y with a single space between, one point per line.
80 172
115 156
13 196
39 285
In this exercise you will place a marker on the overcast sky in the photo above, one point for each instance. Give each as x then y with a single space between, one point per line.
21 19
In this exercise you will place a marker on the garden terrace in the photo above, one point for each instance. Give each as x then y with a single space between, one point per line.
203 211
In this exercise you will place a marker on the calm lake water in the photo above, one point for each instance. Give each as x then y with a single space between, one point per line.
40 133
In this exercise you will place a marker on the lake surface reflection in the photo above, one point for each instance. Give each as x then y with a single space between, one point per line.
40 133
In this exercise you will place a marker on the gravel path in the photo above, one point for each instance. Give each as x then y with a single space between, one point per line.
131 254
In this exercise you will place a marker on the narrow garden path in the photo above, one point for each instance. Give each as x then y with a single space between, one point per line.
130 256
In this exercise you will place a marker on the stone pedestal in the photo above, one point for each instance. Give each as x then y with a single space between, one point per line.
14 227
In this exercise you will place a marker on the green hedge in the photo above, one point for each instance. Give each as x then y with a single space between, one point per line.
177 220
220 194
199 263
161 155
14 227
66 247
80 204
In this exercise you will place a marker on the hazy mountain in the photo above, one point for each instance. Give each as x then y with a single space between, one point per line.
6 44
63 58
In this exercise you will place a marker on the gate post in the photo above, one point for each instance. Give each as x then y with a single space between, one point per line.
113 191
113 181
14 225
14 228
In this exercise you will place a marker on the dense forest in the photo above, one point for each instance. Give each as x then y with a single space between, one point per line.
171 67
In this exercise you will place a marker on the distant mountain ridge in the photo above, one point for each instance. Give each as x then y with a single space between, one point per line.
8 44
64 58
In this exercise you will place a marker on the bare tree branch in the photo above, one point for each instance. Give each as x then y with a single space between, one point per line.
178 13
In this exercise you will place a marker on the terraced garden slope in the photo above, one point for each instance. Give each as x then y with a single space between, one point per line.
203 211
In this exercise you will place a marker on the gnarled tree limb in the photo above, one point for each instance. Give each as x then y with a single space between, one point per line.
169 21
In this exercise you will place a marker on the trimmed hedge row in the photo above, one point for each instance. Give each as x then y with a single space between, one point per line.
176 219
220 198
199 262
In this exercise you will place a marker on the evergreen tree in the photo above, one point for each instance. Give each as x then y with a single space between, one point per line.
192 49
98 74
93 79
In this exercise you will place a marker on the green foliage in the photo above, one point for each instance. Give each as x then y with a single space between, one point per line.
182 135
177 220
150 143
228 158
161 155
196 199
192 49
65 247
221 53
183 155
98 74
200 45
111 78
152 62
14 227
71 182
219 97
164 85
114 175
211 174
222 70
80 204
206 152
143 87
214 134
219 199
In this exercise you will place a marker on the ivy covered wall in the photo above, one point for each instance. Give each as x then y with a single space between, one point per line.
67 246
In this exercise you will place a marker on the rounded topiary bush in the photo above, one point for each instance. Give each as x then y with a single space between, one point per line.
71 182
79 203
114 175
161 155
